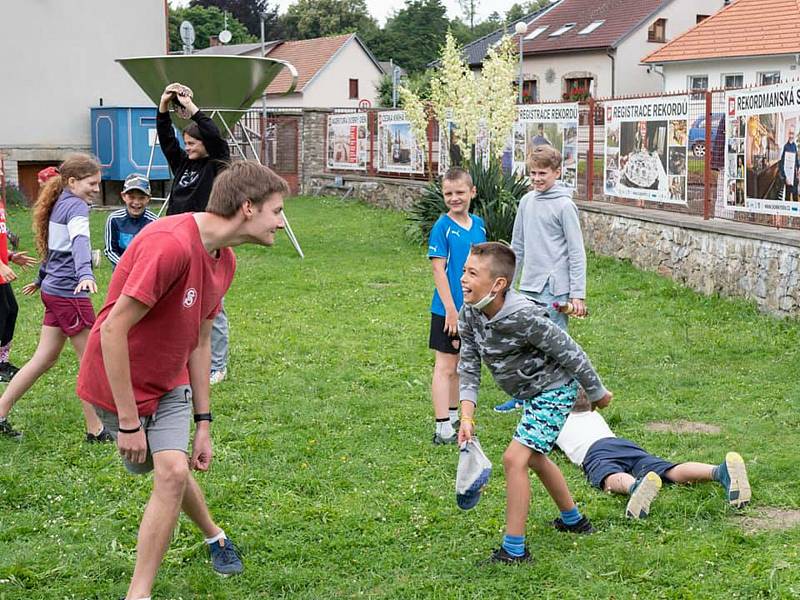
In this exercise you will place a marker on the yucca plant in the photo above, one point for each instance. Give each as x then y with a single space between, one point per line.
496 200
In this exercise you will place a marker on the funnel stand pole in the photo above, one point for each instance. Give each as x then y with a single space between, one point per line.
250 142
287 227
290 233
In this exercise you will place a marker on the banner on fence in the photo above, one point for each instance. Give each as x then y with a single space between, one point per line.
646 149
398 151
348 142
761 156
551 125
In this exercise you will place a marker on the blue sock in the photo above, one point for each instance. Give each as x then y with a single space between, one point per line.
570 517
514 544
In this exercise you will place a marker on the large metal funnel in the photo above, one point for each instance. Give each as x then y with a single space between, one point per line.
223 86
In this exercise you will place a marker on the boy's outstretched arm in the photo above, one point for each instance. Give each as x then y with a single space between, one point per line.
469 376
556 343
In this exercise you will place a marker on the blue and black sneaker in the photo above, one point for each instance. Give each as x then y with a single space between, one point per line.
225 557
501 556
510 405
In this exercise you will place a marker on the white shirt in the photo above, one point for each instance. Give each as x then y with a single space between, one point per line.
581 431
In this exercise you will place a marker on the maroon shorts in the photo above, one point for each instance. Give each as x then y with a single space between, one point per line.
71 315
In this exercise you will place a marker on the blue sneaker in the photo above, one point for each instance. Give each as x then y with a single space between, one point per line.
225 557
510 405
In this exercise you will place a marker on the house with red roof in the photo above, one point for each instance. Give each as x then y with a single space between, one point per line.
749 42
574 48
335 71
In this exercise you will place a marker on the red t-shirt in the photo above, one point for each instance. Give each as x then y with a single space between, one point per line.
167 268
3 238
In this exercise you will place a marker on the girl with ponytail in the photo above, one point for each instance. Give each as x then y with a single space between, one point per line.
61 230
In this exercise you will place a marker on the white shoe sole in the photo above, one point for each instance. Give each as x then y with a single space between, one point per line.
739 491
639 503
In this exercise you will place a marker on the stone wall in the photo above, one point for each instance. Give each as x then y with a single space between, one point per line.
385 192
312 145
729 258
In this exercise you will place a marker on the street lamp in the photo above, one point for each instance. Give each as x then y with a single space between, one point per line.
520 28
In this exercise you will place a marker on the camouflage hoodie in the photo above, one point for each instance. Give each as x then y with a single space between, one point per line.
523 349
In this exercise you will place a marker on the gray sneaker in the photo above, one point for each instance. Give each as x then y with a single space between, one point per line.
643 494
438 440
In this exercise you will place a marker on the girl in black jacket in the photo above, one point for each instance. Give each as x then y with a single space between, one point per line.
194 168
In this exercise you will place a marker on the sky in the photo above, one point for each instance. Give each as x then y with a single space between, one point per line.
381 9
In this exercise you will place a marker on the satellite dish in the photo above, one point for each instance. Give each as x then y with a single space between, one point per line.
187 33
225 36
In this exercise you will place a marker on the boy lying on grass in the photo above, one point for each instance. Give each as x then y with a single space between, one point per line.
530 358
619 466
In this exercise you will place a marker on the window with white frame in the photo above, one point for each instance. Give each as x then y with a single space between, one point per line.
657 32
732 80
696 83
769 77
536 32
590 28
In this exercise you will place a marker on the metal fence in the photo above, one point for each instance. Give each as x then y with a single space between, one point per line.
705 196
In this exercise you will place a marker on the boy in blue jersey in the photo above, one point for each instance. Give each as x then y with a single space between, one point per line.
123 225
451 238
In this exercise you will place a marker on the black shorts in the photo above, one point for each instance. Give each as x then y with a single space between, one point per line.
438 339
618 455
8 313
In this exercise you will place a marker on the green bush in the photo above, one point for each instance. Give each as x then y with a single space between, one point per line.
496 200
15 197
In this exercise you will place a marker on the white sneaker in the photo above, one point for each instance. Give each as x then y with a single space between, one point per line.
217 376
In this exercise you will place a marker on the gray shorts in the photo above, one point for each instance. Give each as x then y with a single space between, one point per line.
166 429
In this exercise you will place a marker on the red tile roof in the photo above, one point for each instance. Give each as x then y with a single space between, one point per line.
744 28
308 57
620 16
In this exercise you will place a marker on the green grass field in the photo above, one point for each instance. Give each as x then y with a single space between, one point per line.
324 473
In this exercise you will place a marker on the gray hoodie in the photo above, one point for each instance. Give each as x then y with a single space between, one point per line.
548 243
524 350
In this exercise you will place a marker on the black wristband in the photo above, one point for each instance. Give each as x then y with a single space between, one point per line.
121 430
203 417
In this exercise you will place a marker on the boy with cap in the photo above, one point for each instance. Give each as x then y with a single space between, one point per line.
123 225
531 358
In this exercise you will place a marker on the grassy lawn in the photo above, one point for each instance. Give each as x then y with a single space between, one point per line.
324 473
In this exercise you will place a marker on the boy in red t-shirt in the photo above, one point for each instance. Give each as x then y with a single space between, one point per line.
145 367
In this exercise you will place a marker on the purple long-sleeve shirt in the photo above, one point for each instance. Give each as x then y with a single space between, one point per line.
69 252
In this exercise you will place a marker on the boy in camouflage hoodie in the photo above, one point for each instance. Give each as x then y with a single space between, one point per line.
530 358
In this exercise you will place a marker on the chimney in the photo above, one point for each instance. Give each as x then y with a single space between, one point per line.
213 40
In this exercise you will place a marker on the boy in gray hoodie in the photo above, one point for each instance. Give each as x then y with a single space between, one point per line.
548 244
530 358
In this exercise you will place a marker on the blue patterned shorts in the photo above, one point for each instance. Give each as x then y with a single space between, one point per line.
543 416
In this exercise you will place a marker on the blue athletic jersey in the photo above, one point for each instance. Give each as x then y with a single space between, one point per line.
451 241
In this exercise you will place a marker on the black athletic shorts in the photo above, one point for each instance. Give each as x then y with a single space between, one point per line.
439 340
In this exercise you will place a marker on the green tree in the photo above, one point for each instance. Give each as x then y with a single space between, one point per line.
464 35
522 9
207 22
249 12
306 19
413 36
